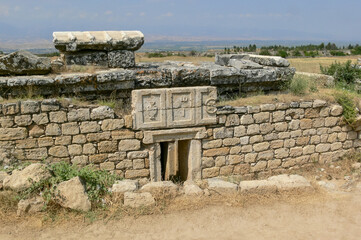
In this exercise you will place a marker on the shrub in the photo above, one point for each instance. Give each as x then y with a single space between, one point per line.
265 52
342 72
349 107
337 53
296 53
282 53
299 85
97 181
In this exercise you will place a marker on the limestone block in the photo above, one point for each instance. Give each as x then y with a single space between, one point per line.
125 186
210 172
40 119
265 155
211 144
336 110
135 200
107 146
331 121
72 194
260 166
19 180
45 141
221 187
235 159
261 146
98 158
23 63
23 120
250 157
319 103
281 127
81 114
58 117
253 129
29 107
89 148
266 128
132 174
123 134
129 145
220 161
89 127
232 120
138 163
98 40
27 143
75 150
108 166
137 154
192 189
112 124
70 128
36 154
10 108
48 105
257 187
261 117
97 58
96 137
231 141
323 147
281 153
121 59
12 133
101 112
80 160
243 64
32 205
174 134
58 151
79 139
224 132
290 182
63 140
247 119
216 152
52 129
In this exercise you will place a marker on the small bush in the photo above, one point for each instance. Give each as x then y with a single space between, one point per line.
265 52
342 72
282 53
337 53
349 107
299 85
296 53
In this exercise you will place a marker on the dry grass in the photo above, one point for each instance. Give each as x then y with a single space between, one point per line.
141 57
326 94
312 65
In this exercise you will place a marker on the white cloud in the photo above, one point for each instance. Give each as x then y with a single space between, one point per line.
142 14
108 12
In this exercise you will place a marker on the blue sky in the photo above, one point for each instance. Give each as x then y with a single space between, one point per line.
203 19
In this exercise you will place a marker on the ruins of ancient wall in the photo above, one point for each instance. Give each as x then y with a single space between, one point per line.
248 141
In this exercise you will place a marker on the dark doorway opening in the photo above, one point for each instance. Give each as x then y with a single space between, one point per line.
174 159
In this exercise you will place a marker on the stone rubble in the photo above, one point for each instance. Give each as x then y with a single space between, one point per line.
72 194
125 186
32 205
21 180
24 63
136 200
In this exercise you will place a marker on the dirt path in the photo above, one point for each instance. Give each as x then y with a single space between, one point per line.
337 216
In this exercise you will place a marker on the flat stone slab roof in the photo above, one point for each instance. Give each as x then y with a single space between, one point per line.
98 40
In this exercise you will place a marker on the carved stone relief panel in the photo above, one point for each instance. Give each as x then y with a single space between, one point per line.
174 107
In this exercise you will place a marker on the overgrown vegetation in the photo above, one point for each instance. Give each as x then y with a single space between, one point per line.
97 182
344 73
300 85
349 107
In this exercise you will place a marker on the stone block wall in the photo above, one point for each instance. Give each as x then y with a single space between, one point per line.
249 141
272 138
87 135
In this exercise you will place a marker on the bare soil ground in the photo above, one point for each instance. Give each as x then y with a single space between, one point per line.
322 214
331 216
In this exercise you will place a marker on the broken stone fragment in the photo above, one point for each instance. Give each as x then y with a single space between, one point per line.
72 194
135 200
125 186
160 187
221 187
272 61
21 180
24 63
31 205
